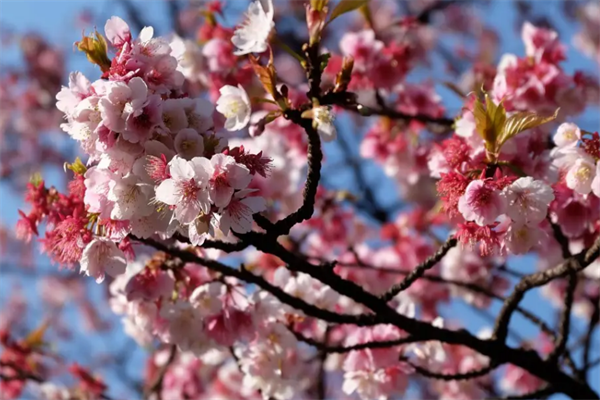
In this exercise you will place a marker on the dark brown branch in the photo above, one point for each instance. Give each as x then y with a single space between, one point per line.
247 276
321 379
470 286
565 320
587 345
348 102
454 377
315 157
371 205
134 17
384 344
224 246
496 350
562 240
574 264
419 270
156 386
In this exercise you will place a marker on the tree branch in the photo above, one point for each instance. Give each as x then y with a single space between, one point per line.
315 157
573 264
156 386
587 346
247 276
384 344
565 320
419 270
455 377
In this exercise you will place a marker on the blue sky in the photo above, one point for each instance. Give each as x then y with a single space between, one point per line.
55 20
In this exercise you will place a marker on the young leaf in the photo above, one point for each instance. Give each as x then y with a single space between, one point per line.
346 6
484 124
520 122
266 75
455 89
497 114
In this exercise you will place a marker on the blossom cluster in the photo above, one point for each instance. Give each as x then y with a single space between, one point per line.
156 165
506 207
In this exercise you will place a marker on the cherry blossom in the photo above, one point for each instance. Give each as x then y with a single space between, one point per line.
596 181
323 121
237 215
186 189
102 256
226 176
481 203
234 104
252 35
527 200
567 134
581 175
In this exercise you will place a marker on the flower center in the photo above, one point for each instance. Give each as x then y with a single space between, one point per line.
234 109
583 173
189 188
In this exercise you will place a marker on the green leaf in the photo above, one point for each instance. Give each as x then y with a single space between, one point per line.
324 58
283 46
484 123
520 122
518 171
36 179
77 167
259 100
266 75
345 6
455 89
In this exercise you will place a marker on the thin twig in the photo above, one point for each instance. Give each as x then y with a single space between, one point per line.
587 346
419 270
156 385
565 319
573 264
384 344
454 377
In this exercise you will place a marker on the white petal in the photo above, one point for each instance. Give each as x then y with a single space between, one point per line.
168 192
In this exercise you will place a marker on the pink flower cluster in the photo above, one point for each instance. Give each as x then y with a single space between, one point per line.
537 82
502 207
156 166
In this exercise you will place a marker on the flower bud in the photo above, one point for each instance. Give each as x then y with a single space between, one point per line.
95 49
315 20
344 76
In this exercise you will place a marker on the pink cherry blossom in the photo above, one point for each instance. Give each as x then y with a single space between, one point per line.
481 203
567 134
101 256
117 32
130 197
237 215
519 238
189 144
542 44
596 181
186 190
184 327
225 176
527 200
581 175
